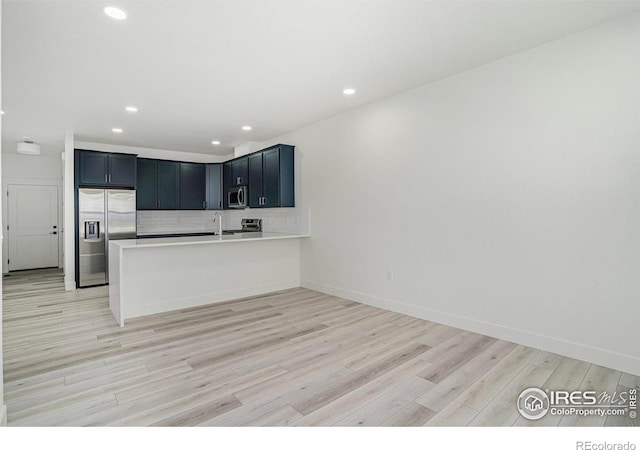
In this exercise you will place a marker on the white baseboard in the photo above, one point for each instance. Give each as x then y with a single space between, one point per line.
3 416
594 355
69 285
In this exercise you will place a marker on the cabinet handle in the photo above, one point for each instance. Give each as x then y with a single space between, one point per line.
157 203
106 178
204 205
239 181
109 178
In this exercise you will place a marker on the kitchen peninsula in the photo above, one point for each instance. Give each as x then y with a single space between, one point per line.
149 276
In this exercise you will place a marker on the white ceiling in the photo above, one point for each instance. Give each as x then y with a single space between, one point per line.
199 70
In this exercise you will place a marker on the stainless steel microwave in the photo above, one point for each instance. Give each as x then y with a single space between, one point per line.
238 197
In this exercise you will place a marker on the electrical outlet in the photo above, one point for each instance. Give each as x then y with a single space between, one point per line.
390 275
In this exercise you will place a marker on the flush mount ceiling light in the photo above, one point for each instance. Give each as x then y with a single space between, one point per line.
115 13
215 142
1 112
246 128
117 130
131 109
349 91
28 148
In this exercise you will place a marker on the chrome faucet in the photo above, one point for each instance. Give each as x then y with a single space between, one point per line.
217 217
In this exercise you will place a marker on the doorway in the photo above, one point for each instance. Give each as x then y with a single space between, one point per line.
32 231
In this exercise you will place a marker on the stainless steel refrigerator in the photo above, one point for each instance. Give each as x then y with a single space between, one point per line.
103 215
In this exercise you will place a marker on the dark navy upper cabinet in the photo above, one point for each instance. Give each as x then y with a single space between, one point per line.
214 186
255 180
193 182
227 175
158 184
147 190
235 173
271 178
106 169
93 168
239 172
122 170
168 184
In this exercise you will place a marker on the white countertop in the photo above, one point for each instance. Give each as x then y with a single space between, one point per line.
193 240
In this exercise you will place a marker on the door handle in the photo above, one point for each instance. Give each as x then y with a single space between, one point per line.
54 232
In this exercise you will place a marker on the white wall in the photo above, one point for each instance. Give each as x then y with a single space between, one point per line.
68 229
143 152
31 170
505 199
246 147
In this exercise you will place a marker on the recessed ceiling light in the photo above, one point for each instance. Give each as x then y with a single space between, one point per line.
117 130
215 142
1 112
349 91
115 13
246 128
131 109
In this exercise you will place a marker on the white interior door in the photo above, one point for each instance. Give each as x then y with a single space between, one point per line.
33 226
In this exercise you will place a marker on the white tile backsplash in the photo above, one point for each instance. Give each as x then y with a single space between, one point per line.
167 222
279 220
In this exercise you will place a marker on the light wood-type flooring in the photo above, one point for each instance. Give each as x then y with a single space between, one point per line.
297 357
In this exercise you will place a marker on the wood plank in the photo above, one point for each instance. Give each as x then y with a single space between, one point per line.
598 379
412 415
354 400
453 415
502 411
447 390
279 417
481 392
387 405
359 378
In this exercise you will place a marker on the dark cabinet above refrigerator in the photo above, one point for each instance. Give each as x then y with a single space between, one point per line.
105 169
